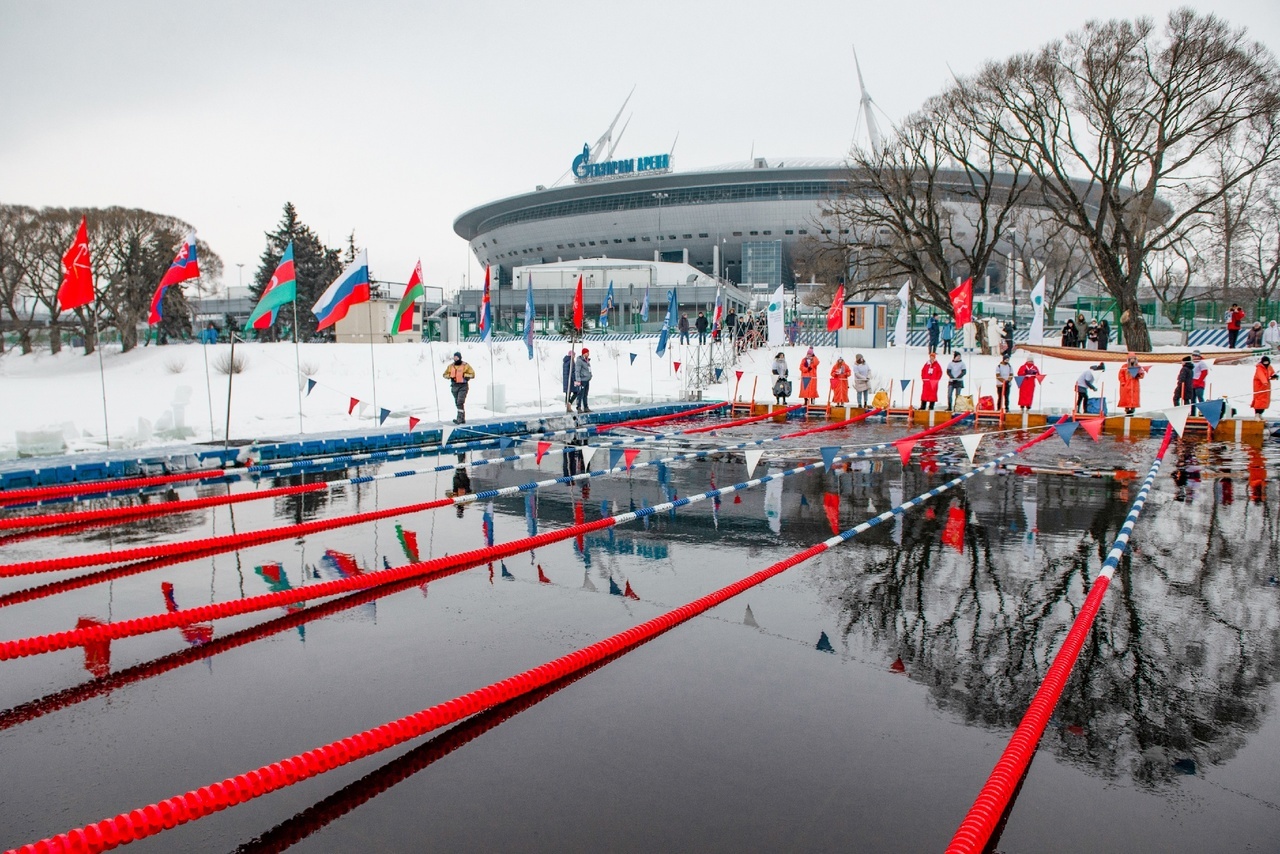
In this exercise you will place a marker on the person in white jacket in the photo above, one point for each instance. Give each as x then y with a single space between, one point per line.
1271 337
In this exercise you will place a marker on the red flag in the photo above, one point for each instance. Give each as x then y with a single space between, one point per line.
413 422
962 302
831 504
77 280
630 455
629 593
905 447
835 314
351 407
677 366
577 306
1093 426
185 266
542 576
543 447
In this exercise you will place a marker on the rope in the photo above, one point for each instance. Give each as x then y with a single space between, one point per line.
997 793
645 422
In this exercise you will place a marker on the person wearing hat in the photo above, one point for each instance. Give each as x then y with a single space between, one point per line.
1235 319
1253 338
930 376
1004 379
1130 375
781 385
459 374
809 378
1263 376
566 378
955 380
1271 337
840 373
1182 392
1199 376
582 379
1084 385
1027 391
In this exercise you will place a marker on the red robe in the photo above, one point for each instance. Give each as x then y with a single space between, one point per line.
840 382
809 378
1027 390
1129 391
1262 377
930 375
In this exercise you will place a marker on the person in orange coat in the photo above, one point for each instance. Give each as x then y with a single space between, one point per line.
930 376
809 378
1130 375
1027 391
1262 378
840 373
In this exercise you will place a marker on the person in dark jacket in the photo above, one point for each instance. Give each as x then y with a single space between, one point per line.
683 326
1070 336
582 378
701 325
935 331
566 373
1182 390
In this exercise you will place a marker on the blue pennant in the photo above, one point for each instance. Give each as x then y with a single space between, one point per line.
310 385
824 644
829 454
505 442
614 589
804 502
905 383
633 357
506 574
1212 410
1018 381
1065 429
719 371
382 415
615 457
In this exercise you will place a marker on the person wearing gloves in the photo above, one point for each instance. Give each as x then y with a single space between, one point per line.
781 385
840 374
1263 376
809 378
459 374
955 380
1084 385
1130 394
582 378
1027 391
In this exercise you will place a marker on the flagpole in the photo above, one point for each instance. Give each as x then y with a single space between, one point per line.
231 372
373 370
102 374
297 357
208 387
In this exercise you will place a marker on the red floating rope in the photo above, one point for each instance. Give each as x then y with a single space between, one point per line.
662 419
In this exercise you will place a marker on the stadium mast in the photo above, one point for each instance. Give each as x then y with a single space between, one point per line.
865 104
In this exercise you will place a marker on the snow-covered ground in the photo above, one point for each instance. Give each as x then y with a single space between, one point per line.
158 394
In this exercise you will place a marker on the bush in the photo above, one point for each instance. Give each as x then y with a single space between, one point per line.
175 365
223 364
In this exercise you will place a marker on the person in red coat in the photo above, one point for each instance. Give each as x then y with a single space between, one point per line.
930 376
1235 319
809 378
1027 390
1130 394
1262 379
840 373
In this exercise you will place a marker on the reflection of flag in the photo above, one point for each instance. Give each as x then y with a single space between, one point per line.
486 522
283 288
831 504
953 532
403 319
962 302
195 634
577 305
351 288
486 313
184 267
528 318
835 314
606 306
77 279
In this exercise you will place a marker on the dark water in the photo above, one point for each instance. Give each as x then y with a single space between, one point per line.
859 703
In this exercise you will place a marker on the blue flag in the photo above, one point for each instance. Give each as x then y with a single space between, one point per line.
1212 412
382 415
665 334
905 383
644 306
528 318
633 357
311 384
829 455
605 306
1065 429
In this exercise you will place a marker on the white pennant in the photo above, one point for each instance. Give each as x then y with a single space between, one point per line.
363 408
970 443
445 433
753 459
1178 417
587 453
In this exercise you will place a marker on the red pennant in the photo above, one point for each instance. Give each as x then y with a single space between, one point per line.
630 455
629 593
543 447
831 503
905 447
1040 378
1093 426
351 407
739 373
542 576
413 422
953 533
677 366
930 513
898 666
737 499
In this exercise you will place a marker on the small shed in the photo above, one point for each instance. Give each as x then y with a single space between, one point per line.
864 325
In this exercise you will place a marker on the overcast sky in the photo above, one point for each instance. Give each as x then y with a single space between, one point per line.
391 118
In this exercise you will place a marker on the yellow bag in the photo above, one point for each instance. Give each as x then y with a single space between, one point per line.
880 400
964 403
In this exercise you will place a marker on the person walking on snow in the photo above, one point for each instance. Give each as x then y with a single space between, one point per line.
582 378
1130 394
459 374
1084 385
1027 391
955 380
1263 376
809 378
840 374
930 376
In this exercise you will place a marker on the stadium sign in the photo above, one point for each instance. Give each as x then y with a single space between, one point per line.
585 170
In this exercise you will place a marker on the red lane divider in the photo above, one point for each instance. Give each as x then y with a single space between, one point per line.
837 425
37 493
198 803
142 511
660 419
424 570
750 420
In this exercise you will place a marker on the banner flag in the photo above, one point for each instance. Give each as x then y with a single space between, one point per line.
1177 416
184 267
1212 411
280 291
970 443
529 317
615 457
1093 426
77 278
486 308
644 306
777 337
962 302
402 320
577 305
664 334
1065 429
900 328
835 314
829 453
1036 335
350 288
606 306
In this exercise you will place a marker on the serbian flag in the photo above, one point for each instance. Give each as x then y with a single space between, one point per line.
281 290
962 302
577 306
351 288
77 278
184 267
486 313
403 320
835 314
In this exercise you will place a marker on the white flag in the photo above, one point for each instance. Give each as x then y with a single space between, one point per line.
753 459
777 338
1036 335
970 443
900 329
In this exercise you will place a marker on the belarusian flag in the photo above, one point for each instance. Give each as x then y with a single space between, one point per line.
403 319
282 289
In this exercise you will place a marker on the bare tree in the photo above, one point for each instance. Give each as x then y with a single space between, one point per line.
1258 242
1045 248
1171 273
1117 123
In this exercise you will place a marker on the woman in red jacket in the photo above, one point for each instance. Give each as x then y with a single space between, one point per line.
840 373
1262 378
930 376
809 378
1027 391
1130 394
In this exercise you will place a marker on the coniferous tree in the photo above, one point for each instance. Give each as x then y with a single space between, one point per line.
315 266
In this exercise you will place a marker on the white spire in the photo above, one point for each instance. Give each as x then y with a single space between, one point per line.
873 130
607 137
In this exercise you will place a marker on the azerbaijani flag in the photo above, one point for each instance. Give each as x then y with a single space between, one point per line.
403 320
486 313
184 267
351 288
282 289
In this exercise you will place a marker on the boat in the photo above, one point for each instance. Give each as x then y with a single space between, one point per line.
1076 354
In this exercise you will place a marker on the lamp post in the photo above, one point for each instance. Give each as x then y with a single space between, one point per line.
660 197
1013 272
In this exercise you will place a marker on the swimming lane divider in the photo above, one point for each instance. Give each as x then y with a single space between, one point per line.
197 803
228 542
995 798
426 570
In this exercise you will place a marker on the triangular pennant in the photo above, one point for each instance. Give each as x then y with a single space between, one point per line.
383 413
629 593
1178 417
543 447
615 457
1018 381
753 458
804 502
1040 378
970 443
739 375
351 407
1093 426
905 447
587 584
445 433
1212 411
737 499
829 455
831 504
824 644
749 619
630 455
542 576
587 453
1065 429
363 408
311 384
905 383
505 442
633 357
413 422
719 371
614 589
898 666
676 365
505 573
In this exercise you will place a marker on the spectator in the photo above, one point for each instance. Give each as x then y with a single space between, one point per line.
935 331
1199 377
683 327
731 324
1253 338
1235 319
955 380
1271 337
862 380
1070 335
1104 333
582 379
1004 379
701 325
948 332
1182 392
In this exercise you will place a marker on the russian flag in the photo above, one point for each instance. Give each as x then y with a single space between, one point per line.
351 288
184 267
